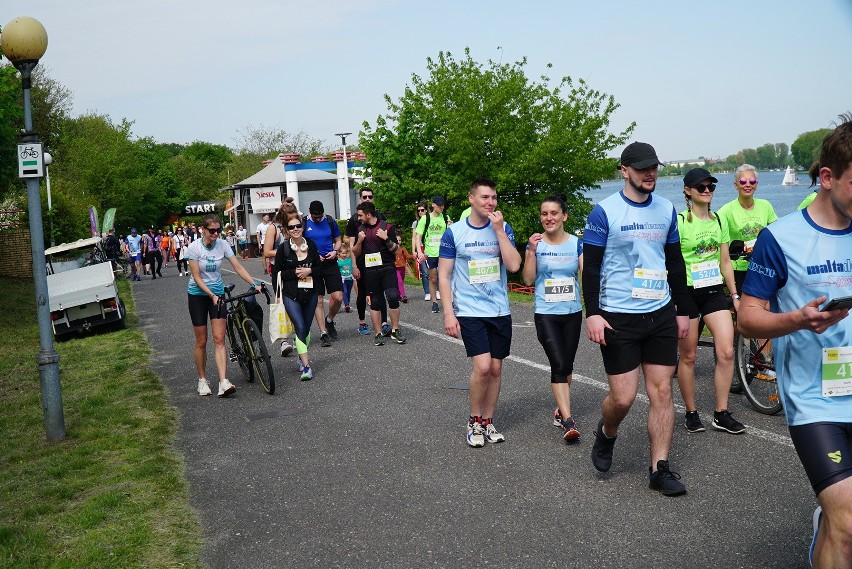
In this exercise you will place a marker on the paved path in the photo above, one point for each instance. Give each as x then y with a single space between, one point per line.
366 465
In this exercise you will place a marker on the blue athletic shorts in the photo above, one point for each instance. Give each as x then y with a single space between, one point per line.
487 334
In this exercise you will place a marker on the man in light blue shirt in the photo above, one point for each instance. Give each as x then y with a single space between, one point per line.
798 264
473 259
633 266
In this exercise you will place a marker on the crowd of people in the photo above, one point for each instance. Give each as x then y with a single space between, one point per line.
641 276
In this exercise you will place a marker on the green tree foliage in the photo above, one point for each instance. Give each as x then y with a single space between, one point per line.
805 149
11 121
465 120
51 104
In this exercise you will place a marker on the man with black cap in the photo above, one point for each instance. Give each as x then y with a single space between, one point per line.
633 270
325 233
427 243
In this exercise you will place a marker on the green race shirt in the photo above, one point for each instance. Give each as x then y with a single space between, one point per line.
700 240
437 226
807 201
745 224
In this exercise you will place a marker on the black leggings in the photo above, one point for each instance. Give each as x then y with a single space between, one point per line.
559 335
361 301
183 263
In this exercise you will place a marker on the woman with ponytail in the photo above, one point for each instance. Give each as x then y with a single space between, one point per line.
704 243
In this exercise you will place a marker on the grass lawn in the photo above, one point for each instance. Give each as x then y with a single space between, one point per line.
113 493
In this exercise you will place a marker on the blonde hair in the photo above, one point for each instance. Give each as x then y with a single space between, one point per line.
345 250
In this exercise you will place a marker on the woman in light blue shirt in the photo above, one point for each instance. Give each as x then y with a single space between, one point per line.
554 261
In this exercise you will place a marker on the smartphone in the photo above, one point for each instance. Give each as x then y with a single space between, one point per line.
836 303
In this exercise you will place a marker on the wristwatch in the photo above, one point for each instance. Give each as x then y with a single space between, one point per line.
735 296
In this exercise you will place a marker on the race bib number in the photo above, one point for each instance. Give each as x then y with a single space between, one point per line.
483 270
836 371
434 241
306 282
649 284
559 290
706 274
749 245
372 259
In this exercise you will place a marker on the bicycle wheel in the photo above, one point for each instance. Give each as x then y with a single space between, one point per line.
757 374
260 360
737 381
239 351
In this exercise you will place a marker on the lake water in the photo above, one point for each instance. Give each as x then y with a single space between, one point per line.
785 199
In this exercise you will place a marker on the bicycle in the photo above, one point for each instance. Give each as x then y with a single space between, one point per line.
120 265
754 373
248 349
755 368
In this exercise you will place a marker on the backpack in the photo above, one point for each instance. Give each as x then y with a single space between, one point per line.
328 219
426 226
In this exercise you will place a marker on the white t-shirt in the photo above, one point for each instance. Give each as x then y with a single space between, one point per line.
261 229
209 265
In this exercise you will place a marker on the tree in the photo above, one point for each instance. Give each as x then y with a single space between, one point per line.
268 142
765 156
805 149
465 120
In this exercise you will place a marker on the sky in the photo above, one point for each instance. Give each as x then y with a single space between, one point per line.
698 78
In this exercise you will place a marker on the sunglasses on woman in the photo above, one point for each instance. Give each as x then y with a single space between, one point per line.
295 226
701 188
744 181
213 230
421 211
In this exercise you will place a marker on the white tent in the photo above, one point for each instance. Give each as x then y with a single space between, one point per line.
274 175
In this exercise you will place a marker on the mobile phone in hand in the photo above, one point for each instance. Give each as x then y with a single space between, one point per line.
837 303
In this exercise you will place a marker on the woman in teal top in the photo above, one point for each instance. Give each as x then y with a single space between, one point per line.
554 261
704 243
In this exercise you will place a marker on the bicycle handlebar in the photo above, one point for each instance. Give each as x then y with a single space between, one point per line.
228 298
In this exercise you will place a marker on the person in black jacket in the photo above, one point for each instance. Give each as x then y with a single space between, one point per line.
295 258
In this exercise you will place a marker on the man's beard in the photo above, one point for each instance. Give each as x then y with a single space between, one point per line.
639 188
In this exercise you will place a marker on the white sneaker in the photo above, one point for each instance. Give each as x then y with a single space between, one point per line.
475 435
226 388
427 298
286 349
203 387
492 435
438 294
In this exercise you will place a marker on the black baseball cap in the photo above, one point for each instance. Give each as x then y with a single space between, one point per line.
696 175
438 200
316 207
640 155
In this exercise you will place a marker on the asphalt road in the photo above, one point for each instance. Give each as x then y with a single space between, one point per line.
367 465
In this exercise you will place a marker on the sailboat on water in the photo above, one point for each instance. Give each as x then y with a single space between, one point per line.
790 178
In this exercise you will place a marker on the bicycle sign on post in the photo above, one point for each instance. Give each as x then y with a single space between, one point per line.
30 160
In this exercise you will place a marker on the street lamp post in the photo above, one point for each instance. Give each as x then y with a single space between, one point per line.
343 179
48 160
23 41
